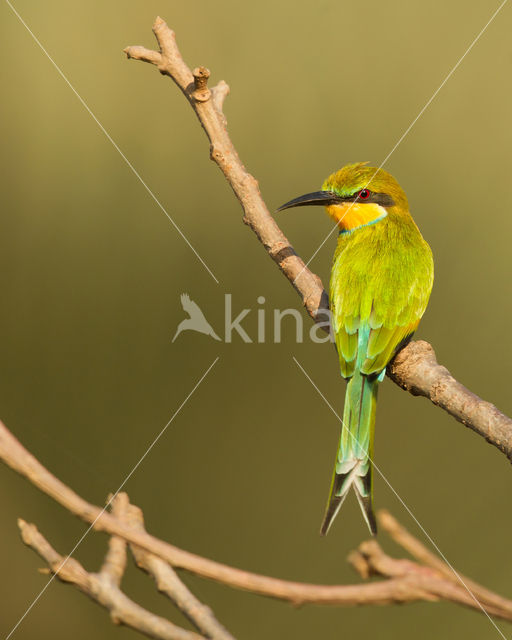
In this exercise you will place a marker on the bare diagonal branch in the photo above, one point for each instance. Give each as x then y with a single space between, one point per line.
207 104
415 368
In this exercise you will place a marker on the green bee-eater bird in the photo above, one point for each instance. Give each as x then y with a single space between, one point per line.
381 279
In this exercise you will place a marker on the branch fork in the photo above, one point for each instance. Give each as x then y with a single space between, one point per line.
426 578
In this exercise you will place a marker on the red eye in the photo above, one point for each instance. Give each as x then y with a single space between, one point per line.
364 194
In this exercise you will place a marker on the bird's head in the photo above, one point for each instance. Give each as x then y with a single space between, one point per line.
356 195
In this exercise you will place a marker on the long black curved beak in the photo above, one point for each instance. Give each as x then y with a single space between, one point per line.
324 198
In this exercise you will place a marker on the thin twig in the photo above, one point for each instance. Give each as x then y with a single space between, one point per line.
415 368
418 550
168 581
114 565
424 583
101 588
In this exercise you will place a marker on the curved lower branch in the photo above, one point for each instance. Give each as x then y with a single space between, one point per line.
415 368
405 581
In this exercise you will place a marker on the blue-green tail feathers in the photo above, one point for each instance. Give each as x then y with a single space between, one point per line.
353 466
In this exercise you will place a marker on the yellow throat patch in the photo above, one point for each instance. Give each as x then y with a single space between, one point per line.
352 215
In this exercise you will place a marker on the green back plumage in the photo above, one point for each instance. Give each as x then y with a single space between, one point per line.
380 284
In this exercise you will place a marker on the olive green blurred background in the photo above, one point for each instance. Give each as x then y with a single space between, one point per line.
91 273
